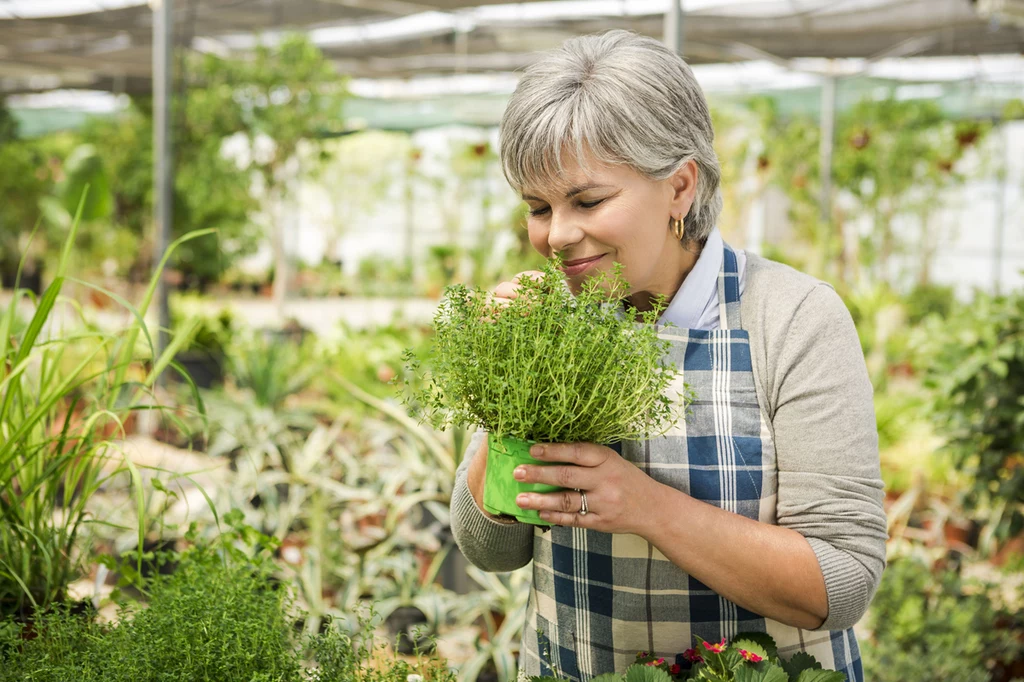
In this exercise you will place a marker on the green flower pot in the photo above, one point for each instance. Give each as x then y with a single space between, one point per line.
501 487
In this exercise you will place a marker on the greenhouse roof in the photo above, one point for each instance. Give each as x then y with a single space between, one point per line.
105 44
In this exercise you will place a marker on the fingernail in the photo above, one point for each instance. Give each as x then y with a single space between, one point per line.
522 500
537 451
520 473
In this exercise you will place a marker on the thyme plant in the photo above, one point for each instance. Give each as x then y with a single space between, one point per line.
549 366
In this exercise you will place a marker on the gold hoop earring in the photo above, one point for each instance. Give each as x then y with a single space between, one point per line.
676 224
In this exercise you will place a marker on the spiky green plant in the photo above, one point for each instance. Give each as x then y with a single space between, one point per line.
64 399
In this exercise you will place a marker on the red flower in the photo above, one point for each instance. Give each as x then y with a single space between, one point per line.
675 669
692 656
753 658
715 648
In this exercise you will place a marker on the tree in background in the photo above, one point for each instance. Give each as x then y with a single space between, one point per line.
280 98
284 95
891 158
25 178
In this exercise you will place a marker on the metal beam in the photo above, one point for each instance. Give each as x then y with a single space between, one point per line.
674 20
163 160
828 127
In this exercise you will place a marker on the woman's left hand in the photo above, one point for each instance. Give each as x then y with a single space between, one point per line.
620 497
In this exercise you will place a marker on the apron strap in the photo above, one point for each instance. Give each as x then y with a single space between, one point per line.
729 291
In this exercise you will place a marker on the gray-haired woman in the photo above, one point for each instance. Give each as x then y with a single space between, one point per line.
763 512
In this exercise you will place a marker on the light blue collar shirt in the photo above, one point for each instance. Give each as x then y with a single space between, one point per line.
695 305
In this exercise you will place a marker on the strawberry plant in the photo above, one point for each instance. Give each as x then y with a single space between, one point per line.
750 657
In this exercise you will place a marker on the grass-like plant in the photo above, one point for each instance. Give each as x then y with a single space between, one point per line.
549 366
64 398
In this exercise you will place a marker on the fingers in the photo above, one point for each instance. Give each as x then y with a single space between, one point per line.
563 477
506 290
532 274
510 290
564 519
580 454
566 501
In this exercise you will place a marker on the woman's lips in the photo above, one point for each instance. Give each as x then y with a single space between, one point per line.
579 266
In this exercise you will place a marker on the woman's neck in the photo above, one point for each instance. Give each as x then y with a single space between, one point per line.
680 262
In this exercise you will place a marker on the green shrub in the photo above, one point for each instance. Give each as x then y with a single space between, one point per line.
976 370
220 616
935 626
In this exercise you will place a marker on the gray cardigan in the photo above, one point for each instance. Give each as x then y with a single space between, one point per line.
813 387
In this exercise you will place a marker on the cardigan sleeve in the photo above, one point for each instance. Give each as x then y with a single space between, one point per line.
830 488
488 543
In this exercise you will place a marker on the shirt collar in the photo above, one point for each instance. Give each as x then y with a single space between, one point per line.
700 287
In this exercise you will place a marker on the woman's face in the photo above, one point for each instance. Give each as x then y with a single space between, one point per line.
612 214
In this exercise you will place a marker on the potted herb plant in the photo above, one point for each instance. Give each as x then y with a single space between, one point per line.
548 367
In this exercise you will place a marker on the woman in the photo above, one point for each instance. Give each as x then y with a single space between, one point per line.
763 512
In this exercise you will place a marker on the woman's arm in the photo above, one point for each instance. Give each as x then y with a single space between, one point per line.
820 566
816 569
766 569
489 543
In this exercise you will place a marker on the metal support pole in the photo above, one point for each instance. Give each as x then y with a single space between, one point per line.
828 133
410 212
163 160
461 50
674 20
1001 197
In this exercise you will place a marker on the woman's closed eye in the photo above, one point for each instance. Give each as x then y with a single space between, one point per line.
541 210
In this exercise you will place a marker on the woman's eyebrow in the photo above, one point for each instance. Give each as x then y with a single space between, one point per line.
573 191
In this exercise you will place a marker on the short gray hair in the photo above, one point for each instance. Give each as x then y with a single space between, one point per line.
626 99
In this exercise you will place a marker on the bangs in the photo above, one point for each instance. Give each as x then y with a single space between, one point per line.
549 143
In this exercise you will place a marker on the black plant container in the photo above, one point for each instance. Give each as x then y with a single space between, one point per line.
205 367
404 623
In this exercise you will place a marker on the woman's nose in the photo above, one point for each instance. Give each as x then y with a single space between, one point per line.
564 230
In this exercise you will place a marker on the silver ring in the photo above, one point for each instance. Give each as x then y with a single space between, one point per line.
583 504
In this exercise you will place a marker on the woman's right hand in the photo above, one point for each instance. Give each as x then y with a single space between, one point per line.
506 291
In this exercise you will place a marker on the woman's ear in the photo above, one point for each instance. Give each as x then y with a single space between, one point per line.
684 188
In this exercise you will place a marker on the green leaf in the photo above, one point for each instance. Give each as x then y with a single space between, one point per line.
646 673
821 676
607 677
746 673
762 672
763 639
750 646
774 673
799 662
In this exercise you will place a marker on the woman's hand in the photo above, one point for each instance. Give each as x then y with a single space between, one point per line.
506 291
619 495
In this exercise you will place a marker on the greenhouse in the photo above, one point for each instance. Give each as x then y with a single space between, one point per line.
436 340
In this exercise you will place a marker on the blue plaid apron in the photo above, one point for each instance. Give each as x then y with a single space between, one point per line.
599 598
